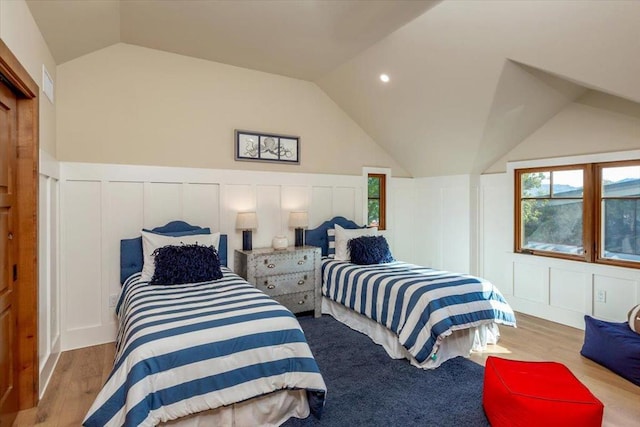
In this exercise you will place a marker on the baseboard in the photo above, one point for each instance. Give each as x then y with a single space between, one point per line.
49 367
86 337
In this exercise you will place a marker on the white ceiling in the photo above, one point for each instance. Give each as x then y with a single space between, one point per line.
469 79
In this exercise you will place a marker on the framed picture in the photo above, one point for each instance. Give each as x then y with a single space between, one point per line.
266 147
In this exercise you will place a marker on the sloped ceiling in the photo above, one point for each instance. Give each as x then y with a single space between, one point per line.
469 79
453 92
525 99
300 39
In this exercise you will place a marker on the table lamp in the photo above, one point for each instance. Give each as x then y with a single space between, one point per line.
299 221
246 221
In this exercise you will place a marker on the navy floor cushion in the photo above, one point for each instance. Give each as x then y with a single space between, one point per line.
614 346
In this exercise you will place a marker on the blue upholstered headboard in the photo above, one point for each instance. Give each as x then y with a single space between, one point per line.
131 259
318 236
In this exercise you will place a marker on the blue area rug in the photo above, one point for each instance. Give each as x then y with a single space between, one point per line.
368 388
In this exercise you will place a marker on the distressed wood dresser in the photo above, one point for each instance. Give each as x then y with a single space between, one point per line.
291 276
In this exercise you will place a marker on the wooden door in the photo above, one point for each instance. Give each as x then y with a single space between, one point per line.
8 274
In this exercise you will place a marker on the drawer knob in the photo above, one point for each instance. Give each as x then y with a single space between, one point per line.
300 262
300 282
271 266
271 286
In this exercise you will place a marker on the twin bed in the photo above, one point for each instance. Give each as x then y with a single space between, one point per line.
220 352
424 315
216 352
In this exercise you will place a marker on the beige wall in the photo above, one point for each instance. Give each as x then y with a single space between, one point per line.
131 105
20 33
595 123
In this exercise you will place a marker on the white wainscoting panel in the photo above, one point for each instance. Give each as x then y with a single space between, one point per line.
82 219
48 278
44 339
105 203
124 217
294 198
494 239
344 199
162 203
619 293
240 198
125 211
455 231
202 204
54 265
429 233
269 215
531 282
569 289
53 277
443 222
321 206
402 225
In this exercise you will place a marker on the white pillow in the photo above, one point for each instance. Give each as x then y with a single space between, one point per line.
634 319
153 241
343 235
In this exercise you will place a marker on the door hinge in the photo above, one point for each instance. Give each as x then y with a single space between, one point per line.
15 272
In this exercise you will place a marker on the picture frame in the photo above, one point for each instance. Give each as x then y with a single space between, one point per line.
266 147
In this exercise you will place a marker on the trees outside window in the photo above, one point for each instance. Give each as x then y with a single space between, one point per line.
376 207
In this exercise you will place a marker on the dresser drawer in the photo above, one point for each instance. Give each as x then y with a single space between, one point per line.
286 283
290 276
286 262
298 302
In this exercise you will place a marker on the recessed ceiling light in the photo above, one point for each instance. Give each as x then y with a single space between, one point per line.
384 78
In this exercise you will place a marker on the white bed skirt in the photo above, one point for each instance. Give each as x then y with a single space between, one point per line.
459 343
269 410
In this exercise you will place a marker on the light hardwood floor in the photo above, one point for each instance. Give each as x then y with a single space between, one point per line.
537 340
80 374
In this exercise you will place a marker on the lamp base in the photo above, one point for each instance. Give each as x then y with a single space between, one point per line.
299 237
246 240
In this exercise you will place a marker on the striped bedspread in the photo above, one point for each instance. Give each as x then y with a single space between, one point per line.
421 305
183 349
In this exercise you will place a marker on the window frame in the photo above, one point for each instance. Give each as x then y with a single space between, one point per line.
597 204
382 198
587 214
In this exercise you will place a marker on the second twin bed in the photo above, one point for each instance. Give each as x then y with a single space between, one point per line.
425 315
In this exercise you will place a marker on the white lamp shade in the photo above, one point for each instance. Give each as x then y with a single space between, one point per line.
298 219
246 221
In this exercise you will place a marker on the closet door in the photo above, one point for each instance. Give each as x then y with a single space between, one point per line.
8 259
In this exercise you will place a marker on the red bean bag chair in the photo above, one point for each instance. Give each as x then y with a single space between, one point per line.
518 393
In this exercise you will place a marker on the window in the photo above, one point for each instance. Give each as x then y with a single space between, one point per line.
376 207
587 212
618 195
551 210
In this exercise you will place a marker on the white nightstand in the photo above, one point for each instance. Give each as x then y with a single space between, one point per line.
291 276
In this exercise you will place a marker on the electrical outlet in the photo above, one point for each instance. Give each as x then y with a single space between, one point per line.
113 300
601 295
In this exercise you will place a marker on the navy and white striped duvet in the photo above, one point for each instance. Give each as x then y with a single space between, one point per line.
183 349
419 304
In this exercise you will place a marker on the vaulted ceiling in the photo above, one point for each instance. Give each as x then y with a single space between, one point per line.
469 80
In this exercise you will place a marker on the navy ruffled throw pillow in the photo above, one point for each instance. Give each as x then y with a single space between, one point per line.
367 250
185 264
